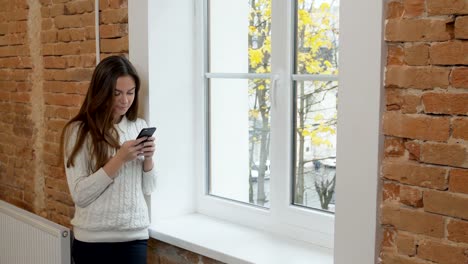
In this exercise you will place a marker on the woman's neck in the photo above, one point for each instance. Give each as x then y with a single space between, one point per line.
118 119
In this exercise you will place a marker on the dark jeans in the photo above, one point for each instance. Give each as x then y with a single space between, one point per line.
132 252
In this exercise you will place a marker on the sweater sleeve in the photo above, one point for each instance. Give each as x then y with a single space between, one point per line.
84 187
149 177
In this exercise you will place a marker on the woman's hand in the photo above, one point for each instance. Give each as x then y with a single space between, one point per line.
149 147
131 149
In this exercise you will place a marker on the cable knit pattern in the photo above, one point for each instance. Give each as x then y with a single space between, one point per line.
109 210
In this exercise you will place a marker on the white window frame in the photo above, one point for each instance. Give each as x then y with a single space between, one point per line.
282 218
358 153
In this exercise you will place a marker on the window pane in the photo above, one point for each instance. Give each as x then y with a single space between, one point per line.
239 36
316 52
316 115
317 37
240 140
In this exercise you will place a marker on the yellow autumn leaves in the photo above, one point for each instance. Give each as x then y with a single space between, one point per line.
316 133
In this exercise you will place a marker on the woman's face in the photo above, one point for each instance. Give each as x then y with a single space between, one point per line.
124 94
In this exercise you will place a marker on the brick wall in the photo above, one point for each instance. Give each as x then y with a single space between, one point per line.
47 54
424 212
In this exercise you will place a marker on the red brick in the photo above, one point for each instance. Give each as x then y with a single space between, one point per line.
406 244
417 77
388 239
18 27
45 12
87 19
458 181
59 218
47 23
446 203
63 99
392 258
446 7
17 15
444 154
73 74
11 51
460 128
55 124
16 39
71 48
57 10
413 221
103 4
87 47
416 126
53 62
83 61
457 230
56 184
20 97
73 21
400 99
49 36
23 87
58 112
442 253
390 191
395 9
114 16
414 150
71 34
4 96
113 31
449 53
415 174
461 27
411 196
395 55
394 147
90 32
15 62
118 3
459 78
417 55
79 7
66 87
445 103
417 30
114 45
414 8
58 207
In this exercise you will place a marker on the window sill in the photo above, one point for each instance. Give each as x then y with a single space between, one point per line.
233 243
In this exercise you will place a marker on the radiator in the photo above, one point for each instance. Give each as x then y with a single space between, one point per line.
26 238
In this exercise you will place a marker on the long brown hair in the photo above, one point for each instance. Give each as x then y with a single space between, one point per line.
95 117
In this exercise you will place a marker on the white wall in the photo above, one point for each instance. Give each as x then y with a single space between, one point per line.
360 107
164 59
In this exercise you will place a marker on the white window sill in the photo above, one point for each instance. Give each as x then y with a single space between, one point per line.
233 243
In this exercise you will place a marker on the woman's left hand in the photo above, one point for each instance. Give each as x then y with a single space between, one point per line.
149 148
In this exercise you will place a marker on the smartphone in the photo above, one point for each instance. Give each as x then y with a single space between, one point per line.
146 132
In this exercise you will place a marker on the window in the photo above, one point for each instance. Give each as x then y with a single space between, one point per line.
269 89
172 99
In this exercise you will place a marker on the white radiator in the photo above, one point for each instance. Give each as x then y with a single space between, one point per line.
26 238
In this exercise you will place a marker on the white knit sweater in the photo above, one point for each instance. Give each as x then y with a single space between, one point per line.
109 210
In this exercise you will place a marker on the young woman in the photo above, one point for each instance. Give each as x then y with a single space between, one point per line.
108 170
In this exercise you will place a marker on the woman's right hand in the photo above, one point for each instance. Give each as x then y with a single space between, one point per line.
131 149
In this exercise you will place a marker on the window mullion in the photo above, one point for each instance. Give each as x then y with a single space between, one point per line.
281 111
314 77
229 75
